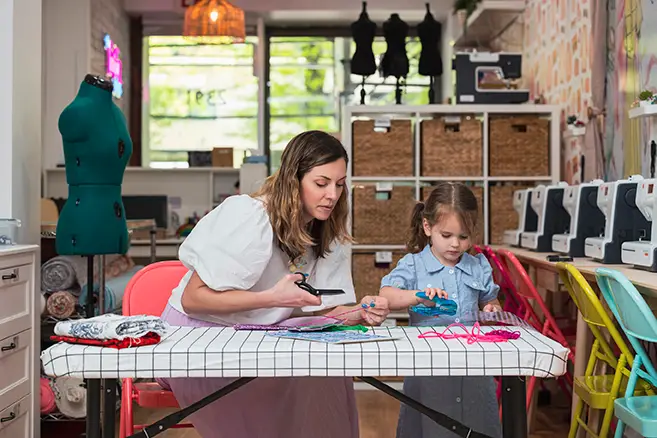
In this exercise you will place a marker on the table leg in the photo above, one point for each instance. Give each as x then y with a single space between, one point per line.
109 408
93 408
439 418
514 413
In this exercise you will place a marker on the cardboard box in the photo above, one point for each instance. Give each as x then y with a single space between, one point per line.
222 157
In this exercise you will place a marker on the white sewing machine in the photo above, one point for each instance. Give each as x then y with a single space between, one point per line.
641 253
623 221
552 218
586 219
527 219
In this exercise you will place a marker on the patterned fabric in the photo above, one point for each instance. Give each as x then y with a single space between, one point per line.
149 338
58 274
110 326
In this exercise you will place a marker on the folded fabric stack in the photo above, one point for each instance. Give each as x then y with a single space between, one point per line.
114 331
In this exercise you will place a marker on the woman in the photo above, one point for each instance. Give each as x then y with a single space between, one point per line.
242 257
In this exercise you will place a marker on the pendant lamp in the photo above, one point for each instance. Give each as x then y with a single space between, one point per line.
214 22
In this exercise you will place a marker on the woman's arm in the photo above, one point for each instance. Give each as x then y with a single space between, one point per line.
198 298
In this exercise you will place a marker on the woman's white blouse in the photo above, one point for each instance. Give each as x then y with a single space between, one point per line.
234 248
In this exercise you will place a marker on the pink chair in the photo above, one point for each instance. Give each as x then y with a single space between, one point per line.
147 293
547 325
511 301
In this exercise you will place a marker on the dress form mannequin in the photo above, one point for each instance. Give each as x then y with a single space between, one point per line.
363 64
395 60
431 63
97 148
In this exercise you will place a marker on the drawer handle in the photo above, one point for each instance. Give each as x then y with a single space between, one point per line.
14 344
12 415
12 276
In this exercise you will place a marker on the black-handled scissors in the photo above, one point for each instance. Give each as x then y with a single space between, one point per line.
317 292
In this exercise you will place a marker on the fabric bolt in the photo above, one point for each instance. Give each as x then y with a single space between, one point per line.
148 339
469 400
284 407
48 402
111 326
61 304
58 274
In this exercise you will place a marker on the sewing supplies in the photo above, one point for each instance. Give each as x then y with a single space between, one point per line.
473 336
333 337
317 292
442 307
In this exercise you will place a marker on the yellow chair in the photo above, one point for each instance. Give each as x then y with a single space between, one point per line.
598 391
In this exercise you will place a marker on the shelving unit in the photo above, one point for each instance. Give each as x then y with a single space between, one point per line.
490 20
487 178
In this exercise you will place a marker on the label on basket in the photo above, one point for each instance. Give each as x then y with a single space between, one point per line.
383 257
382 125
384 187
466 98
452 120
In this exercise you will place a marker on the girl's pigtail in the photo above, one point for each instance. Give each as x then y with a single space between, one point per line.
417 239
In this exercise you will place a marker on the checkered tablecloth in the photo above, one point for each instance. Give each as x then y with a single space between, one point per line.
225 352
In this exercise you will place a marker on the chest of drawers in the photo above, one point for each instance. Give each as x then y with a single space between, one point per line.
19 342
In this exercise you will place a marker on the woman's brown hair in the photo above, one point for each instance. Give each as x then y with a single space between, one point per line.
283 196
447 197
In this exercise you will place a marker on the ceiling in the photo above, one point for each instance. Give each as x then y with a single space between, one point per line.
165 16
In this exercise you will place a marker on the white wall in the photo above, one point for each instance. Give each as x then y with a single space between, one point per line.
20 114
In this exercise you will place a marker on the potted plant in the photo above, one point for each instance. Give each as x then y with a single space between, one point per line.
646 98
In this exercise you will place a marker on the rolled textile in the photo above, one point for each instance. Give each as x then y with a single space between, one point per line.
70 396
114 290
58 274
42 300
61 304
48 402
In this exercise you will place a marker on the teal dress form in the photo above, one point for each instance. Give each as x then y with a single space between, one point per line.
97 147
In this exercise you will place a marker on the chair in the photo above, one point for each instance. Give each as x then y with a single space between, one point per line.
639 324
597 391
147 293
547 325
512 302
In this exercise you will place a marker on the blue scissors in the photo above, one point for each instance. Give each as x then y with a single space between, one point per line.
317 292
443 306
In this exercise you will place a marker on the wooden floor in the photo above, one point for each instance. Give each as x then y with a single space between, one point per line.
378 414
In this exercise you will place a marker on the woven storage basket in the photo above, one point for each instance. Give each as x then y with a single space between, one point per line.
519 145
451 146
382 153
382 221
479 194
502 214
367 274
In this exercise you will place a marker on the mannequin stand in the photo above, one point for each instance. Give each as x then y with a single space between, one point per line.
432 92
398 92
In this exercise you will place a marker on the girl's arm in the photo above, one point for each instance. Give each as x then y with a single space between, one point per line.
399 299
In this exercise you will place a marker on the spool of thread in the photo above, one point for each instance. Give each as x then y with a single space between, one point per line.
48 402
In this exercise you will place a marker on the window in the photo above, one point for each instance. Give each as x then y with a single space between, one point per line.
199 97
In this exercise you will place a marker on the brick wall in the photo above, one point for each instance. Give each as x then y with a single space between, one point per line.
109 17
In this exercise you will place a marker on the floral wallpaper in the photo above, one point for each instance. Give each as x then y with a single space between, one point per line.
556 64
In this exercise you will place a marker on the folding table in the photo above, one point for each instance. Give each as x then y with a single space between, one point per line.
245 355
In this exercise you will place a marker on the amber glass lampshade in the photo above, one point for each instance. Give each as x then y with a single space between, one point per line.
214 22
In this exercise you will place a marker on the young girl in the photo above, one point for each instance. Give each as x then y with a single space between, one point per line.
439 264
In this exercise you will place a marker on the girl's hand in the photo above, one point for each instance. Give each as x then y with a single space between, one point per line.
374 309
491 307
286 293
431 293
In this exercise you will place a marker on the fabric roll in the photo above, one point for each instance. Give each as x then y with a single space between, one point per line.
70 396
114 290
48 402
58 274
61 304
42 299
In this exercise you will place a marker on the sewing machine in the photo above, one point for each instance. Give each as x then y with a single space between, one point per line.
552 218
527 219
641 253
586 219
484 77
623 220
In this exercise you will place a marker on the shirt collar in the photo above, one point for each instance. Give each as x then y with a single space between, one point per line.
433 264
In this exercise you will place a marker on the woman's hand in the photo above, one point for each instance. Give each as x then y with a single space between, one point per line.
374 309
287 294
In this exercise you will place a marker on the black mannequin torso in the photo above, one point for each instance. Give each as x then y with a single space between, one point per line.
395 60
429 31
363 32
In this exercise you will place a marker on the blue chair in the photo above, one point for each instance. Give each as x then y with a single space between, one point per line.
639 324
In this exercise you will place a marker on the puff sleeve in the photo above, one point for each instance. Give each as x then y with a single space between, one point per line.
490 289
230 247
403 275
334 272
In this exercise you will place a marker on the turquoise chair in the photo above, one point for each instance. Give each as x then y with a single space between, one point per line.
639 324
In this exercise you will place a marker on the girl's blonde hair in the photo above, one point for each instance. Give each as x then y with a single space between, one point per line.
282 192
446 198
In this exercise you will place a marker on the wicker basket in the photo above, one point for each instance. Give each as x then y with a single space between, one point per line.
367 274
519 145
382 153
451 146
479 194
381 221
502 214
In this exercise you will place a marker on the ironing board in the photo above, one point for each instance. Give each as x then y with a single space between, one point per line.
245 355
